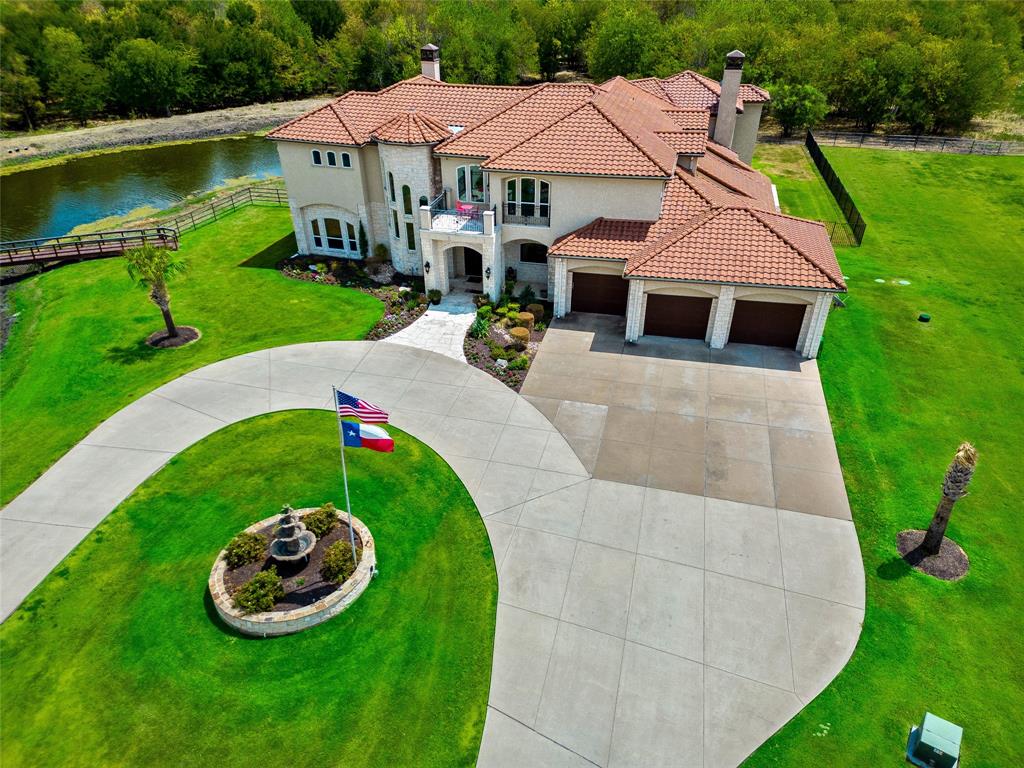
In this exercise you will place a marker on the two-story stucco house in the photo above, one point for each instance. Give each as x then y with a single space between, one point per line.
630 197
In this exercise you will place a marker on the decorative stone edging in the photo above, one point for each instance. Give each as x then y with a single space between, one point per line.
273 623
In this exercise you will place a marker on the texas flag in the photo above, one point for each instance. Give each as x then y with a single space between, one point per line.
366 436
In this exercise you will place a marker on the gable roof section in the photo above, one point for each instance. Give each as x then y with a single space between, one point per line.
745 246
735 175
607 151
696 91
411 128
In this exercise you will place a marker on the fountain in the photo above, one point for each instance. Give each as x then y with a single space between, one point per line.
291 539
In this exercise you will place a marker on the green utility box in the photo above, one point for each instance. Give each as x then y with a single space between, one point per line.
935 743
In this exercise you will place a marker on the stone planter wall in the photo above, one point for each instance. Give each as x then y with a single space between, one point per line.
274 623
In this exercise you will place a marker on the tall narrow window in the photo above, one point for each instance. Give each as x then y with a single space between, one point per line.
470 181
346 160
318 241
391 186
410 236
352 244
394 219
332 160
528 197
407 200
317 157
335 239
511 197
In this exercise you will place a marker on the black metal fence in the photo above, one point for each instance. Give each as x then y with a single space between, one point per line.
835 186
956 144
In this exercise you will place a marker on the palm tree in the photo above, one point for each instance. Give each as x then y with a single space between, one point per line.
954 488
151 268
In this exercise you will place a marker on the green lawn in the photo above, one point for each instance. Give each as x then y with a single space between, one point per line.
118 659
802 191
902 395
76 354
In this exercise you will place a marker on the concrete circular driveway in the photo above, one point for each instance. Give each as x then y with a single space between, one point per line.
636 625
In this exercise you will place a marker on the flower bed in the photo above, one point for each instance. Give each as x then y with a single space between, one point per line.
504 338
402 295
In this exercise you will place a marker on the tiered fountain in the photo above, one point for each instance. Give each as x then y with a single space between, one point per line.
291 539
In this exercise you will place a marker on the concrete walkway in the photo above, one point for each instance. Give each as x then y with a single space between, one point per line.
441 328
636 626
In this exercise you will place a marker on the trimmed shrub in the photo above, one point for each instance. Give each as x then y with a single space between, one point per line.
479 328
520 337
512 317
537 310
501 311
512 307
521 363
245 548
484 312
260 592
525 319
338 564
322 520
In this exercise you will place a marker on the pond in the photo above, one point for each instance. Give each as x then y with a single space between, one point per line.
50 201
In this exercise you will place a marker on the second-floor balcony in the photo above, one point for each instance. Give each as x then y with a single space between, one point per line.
463 218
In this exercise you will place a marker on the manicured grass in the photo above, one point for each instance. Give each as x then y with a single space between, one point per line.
902 395
802 191
76 354
118 659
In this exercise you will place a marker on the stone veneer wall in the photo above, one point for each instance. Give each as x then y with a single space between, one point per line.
410 165
273 623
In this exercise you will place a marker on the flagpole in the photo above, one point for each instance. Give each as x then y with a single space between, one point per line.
344 474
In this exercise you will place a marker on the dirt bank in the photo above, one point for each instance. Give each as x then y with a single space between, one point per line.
220 122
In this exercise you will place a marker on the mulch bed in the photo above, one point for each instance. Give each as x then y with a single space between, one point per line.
950 564
392 288
479 356
295 596
186 335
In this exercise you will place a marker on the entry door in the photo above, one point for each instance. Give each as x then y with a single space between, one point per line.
766 322
474 263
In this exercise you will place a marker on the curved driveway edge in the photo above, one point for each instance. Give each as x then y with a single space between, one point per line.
618 640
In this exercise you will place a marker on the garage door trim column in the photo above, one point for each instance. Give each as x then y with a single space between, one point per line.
634 309
561 287
817 329
723 316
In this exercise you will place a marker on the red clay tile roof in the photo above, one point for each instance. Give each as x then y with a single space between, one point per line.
353 117
742 245
605 239
412 128
734 175
694 90
684 142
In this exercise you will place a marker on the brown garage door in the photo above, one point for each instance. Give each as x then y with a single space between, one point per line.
766 322
605 294
684 317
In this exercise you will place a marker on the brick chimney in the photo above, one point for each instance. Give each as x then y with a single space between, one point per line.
430 61
725 123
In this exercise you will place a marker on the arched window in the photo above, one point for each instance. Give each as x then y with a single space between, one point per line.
332 160
391 186
317 158
346 160
394 217
527 201
470 180
407 200
334 235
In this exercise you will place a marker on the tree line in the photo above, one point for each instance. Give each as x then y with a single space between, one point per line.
926 64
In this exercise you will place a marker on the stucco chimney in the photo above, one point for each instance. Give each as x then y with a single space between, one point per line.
725 123
430 61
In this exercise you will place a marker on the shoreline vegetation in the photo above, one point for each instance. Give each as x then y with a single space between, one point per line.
45 149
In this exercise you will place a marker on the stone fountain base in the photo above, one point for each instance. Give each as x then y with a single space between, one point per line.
273 623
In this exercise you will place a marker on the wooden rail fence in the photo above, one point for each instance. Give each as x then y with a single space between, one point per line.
165 234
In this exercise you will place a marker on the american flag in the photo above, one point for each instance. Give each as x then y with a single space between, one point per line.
353 406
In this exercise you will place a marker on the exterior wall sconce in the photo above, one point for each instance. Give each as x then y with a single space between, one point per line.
487 273
426 267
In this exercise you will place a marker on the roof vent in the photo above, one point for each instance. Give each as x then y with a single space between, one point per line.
430 61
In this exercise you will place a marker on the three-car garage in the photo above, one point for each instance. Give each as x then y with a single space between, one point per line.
682 317
769 323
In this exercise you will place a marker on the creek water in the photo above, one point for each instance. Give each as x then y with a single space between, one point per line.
51 201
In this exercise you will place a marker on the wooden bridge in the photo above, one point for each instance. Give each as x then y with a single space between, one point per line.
97 245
